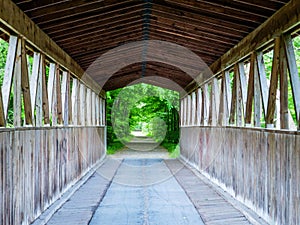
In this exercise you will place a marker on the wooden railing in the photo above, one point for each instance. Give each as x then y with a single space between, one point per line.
259 167
52 129
241 127
38 164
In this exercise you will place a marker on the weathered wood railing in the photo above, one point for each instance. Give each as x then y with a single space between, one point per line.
243 135
38 164
52 121
261 168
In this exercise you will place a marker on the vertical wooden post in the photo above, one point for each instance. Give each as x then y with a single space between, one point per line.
189 106
257 97
205 97
214 103
243 85
199 106
39 93
273 85
232 118
75 102
104 112
50 85
33 80
93 109
25 86
294 75
225 97
181 112
193 106
17 85
45 102
284 111
58 96
8 74
65 95
250 92
262 81
239 97
185 110
88 107
101 111
97 110
82 104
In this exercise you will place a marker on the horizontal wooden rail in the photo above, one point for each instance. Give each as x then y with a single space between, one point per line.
259 167
38 165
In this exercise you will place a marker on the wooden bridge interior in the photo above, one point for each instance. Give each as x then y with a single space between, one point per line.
238 127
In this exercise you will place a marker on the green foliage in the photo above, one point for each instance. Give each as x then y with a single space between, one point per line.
114 146
148 108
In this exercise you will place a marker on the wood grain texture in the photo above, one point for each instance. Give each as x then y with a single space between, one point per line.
40 164
258 167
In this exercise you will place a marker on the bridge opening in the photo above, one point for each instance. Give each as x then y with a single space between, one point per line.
143 109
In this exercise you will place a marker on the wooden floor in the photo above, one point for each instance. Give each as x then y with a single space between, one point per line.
210 204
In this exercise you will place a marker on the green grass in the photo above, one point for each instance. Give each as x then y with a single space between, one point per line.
113 147
173 149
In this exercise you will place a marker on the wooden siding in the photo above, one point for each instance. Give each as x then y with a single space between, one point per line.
38 165
258 167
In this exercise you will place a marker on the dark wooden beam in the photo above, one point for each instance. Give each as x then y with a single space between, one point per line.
283 20
21 24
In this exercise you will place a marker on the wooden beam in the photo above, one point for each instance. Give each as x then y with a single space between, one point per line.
262 81
199 106
26 86
273 84
294 73
232 116
284 110
17 77
23 25
284 19
8 74
250 91
205 105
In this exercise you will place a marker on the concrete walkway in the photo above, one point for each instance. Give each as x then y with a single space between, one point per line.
129 190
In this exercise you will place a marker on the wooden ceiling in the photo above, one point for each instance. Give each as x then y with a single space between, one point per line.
87 29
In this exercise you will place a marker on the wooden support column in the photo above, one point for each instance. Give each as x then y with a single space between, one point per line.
294 74
250 91
17 85
104 112
284 111
45 106
101 111
75 102
262 81
93 108
189 105
181 111
273 85
205 99
51 87
193 120
239 97
82 94
8 74
232 117
243 85
33 80
214 102
224 100
65 95
97 110
88 107
25 86
257 98
199 106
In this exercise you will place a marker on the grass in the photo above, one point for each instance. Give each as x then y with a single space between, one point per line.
113 147
173 149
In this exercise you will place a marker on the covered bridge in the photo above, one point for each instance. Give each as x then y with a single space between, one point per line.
240 119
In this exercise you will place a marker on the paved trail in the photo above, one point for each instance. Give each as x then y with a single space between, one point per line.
137 187
145 192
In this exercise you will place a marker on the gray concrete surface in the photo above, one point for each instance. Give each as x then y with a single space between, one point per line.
145 192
